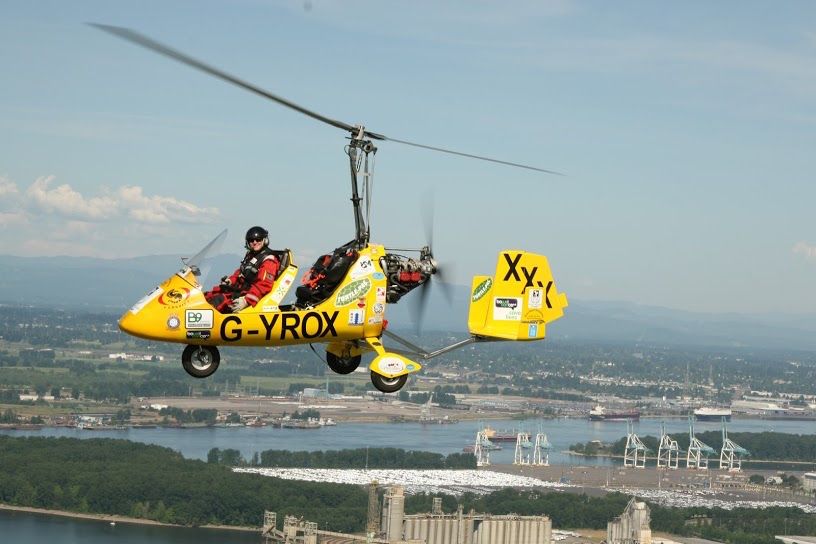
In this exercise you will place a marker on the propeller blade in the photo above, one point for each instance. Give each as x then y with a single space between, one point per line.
162 49
149 43
444 284
418 307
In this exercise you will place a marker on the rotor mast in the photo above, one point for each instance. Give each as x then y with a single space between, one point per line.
357 144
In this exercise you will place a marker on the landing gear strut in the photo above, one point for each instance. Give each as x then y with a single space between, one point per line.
200 361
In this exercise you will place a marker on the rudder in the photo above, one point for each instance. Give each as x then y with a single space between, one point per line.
518 301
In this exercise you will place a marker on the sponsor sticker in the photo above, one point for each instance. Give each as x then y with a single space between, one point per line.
532 330
376 320
356 317
200 335
198 319
381 294
379 308
507 309
173 322
391 365
535 297
269 308
482 289
352 292
174 297
534 315
363 267
146 299
378 276
282 289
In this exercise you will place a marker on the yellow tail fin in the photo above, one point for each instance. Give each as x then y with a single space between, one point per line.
518 301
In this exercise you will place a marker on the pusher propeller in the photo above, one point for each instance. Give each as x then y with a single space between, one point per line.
427 258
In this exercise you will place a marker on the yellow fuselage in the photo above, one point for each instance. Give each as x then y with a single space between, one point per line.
176 311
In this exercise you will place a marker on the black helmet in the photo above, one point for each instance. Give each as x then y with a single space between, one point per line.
257 233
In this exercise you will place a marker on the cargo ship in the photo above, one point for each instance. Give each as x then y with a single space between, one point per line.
708 413
499 436
599 413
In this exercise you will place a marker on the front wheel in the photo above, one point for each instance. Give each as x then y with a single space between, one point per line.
388 385
200 361
342 365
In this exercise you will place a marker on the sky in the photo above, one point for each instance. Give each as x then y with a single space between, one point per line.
685 133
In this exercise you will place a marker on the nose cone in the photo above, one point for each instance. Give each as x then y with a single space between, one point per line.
132 324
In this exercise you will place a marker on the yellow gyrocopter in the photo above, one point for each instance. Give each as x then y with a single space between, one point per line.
348 313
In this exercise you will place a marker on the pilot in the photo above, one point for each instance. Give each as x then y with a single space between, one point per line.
252 280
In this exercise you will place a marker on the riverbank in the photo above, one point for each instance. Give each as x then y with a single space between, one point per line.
112 518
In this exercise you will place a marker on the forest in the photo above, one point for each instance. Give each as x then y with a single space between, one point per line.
144 481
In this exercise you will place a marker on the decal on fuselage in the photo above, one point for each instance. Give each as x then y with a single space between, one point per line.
283 326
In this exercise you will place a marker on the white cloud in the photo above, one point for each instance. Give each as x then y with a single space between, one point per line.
7 188
12 218
804 249
128 200
161 209
67 202
80 223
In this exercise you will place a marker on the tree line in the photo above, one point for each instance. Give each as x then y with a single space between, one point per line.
381 458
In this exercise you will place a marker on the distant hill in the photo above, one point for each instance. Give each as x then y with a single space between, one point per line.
113 285
97 284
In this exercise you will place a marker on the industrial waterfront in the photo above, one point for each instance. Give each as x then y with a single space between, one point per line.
444 439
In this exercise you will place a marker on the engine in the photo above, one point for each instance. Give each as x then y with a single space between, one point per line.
405 273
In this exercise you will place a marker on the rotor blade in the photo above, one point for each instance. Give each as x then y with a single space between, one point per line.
517 165
140 39
149 43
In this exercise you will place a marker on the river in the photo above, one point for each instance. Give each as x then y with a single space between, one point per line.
445 439
25 528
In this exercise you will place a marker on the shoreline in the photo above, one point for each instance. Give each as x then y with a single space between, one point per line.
116 518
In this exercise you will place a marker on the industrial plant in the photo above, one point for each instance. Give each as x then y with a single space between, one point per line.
389 524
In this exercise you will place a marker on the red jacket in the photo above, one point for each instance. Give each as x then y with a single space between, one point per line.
267 272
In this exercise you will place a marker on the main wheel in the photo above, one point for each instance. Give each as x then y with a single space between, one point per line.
342 365
200 361
388 385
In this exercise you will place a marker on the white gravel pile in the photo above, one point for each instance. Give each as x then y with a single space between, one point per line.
559 534
706 498
414 481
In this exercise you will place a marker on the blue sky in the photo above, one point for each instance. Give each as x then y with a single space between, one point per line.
685 130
